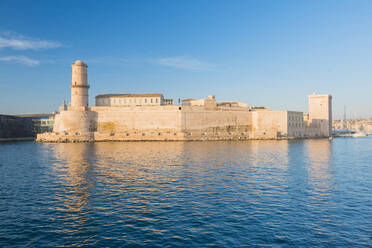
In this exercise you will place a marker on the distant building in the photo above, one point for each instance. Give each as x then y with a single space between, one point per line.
151 99
25 126
363 126
232 104
209 102
41 123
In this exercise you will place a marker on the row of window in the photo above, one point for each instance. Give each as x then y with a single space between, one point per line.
296 124
295 118
129 101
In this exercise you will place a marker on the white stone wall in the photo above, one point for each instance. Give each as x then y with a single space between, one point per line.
123 119
273 123
200 118
296 124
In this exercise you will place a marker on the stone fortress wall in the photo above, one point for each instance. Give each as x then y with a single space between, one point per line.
202 119
24 127
15 127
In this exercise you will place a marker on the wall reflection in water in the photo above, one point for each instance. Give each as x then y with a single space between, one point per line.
320 171
164 187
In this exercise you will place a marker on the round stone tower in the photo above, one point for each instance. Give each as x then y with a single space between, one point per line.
79 85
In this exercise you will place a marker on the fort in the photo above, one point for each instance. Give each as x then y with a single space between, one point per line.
151 117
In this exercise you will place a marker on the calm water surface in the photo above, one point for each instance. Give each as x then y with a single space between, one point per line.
311 193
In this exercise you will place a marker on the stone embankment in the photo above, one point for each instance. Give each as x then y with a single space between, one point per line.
147 136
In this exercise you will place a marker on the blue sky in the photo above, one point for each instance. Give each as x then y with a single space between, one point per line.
265 53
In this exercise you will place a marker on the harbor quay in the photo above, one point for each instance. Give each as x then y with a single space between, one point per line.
151 117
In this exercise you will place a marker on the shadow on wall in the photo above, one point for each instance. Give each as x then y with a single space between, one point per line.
320 127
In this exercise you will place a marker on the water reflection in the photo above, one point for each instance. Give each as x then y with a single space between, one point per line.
139 185
147 168
320 172
270 153
75 172
188 194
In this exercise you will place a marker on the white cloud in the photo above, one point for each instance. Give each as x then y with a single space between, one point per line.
19 42
21 59
184 62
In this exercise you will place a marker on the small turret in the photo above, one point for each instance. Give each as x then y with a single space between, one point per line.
63 106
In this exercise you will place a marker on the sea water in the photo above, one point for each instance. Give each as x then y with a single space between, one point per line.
306 193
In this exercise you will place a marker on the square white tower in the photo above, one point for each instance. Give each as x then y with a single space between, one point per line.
320 113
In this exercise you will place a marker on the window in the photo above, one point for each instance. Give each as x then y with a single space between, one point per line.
151 100
156 100
145 100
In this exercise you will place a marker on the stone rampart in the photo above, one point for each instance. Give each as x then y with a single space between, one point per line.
149 123
12 127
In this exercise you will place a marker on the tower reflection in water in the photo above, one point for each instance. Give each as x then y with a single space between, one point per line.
320 171
75 172
123 184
